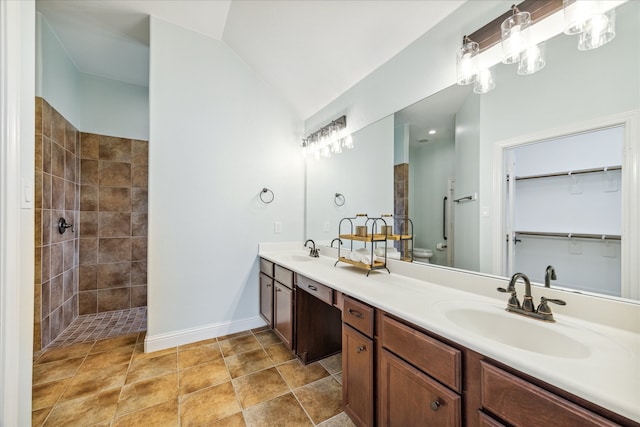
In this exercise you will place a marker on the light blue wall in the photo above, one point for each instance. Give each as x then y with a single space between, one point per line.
219 134
92 104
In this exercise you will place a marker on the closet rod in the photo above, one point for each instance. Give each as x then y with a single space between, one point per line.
567 173
570 235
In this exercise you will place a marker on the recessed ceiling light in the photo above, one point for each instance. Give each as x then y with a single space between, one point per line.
432 132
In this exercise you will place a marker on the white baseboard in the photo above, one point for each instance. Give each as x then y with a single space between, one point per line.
205 332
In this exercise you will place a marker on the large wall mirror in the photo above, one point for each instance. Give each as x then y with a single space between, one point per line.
456 142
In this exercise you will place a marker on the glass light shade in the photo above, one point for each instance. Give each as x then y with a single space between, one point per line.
532 60
599 30
485 82
467 62
514 37
348 142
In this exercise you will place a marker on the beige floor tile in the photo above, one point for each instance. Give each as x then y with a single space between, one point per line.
340 420
38 417
117 342
333 364
95 381
193 356
247 363
260 329
144 369
296 374
235 420
267 338
209 405
239 345
96 409
71 352
338 377
198 343
143 394
279 353
54 371
259 387
203 376
46 395
107 358
138 352
235 335
283 411
321 399
162 415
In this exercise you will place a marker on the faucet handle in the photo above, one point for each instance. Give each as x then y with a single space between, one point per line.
543 308
513 299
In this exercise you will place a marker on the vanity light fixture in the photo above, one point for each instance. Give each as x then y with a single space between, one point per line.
532 60
515 37
327 140
484 81
467 61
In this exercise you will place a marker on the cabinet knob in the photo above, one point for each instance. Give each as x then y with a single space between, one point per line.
356 313
278 290
361 348
269 285
313 288
435 405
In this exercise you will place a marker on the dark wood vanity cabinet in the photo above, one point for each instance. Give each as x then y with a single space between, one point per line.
266 291
420 381
283 307
358 362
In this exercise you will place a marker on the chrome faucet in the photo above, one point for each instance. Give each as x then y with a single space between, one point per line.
338 240
549 275
313 252
542 312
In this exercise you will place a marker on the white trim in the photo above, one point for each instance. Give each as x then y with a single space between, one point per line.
10 248
186 336
630 245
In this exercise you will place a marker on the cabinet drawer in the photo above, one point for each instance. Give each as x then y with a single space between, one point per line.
520 403
358 315
318 290
266 267
488 421
409 398
432 356
284 276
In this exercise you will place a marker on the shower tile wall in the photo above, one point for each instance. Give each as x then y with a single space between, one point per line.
113 223
56 196
401 199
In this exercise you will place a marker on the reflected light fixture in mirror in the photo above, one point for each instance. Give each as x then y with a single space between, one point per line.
532 60
484 81
467 61
591 21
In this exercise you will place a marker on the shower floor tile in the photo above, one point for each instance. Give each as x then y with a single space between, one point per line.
94 327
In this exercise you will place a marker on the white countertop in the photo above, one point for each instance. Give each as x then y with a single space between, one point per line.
602 364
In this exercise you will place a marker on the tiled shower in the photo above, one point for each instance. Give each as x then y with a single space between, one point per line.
98 183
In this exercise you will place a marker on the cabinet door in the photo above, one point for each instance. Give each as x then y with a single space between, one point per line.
408 397
283 313
266 298
357 376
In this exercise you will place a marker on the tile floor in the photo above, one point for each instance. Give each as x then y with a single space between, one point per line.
245 379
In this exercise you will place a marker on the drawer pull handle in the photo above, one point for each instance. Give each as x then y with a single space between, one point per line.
361 348
278 290
313 288
269 285
435 405
356 313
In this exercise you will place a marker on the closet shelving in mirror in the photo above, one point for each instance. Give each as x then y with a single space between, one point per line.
374 231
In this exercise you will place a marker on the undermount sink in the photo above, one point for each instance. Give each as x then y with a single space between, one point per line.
299 258
516 331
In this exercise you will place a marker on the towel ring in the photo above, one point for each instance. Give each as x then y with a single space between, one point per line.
262 196
338 198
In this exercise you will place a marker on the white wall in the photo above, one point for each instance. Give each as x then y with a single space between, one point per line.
17 124
366 185
92 104
111 107
218 135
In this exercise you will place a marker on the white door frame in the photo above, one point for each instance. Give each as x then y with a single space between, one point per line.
630 244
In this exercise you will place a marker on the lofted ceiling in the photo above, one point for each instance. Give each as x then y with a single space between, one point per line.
309 51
